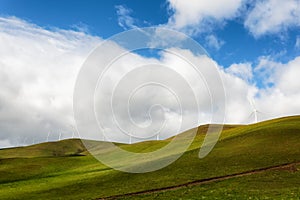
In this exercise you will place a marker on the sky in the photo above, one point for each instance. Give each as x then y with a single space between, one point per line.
255 45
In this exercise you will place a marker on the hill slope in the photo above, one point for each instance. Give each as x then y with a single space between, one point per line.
37 172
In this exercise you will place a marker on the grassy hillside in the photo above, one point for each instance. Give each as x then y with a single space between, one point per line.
61 148
274 184
64 170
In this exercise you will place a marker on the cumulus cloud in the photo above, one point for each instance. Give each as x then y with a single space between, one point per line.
273 88
175 97
284 92
285 76
195 15
124 18
241 70
265 69
39 69
213 42
37 73
260 17
238 93
272 16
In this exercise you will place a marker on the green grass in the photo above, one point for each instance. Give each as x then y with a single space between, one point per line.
62 148
275 184
64 170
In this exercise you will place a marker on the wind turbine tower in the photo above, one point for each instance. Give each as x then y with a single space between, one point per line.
48 136
59 135
157 136
73 131
130 139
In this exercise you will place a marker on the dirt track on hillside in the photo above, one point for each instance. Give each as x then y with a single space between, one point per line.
288 166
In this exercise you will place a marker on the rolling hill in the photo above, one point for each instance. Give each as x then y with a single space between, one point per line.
257 161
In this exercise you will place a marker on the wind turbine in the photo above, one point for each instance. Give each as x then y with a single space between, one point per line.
24 141
48 136
59 135
157 136
255 112
130 139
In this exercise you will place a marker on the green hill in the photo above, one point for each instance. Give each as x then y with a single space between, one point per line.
65 170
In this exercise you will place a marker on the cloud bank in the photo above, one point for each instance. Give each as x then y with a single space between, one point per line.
39 68
260 17
272 16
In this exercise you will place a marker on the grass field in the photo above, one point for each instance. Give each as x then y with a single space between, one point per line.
65 170
274 184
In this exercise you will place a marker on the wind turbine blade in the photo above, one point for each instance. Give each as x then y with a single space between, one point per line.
250 115
253 104
250 102
264 113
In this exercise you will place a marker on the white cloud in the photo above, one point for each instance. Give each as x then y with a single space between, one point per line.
273 16
39 67
153 104
261 17
280 95
194 14
124 18
242 70
238 92
286 78
213 42
37 74
265 70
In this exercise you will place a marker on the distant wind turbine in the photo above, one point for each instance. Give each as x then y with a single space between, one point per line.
255 112
24 141
130 139
48 136
59 135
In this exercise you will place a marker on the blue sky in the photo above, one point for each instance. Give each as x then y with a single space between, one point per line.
100 18
254 44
